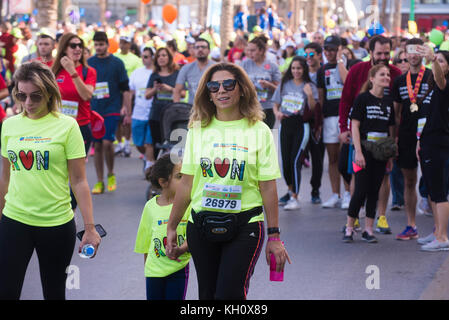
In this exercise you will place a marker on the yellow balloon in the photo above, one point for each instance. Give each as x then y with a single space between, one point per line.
330 24
412 27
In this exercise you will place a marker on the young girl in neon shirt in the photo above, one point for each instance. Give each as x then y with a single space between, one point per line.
166 279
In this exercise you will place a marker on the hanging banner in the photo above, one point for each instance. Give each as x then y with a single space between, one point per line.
19 6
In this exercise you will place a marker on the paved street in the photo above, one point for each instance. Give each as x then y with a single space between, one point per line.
323 266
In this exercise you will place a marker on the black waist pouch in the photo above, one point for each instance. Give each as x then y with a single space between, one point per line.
222 226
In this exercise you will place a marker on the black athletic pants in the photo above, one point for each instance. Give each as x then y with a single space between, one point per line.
224 268
54 247
294 136
367 186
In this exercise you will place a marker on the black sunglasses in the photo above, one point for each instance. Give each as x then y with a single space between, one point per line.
74 45
401 60
228 85
35 97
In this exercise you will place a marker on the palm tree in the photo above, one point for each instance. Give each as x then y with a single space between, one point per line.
103 5
226 24
397 17
202 12
47 13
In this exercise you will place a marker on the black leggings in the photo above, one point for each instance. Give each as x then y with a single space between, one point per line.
294 135
54 247
367 186
224 269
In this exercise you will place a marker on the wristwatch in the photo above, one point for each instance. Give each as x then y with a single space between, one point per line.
273 230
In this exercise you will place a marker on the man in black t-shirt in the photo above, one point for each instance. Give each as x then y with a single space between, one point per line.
409 91
330 81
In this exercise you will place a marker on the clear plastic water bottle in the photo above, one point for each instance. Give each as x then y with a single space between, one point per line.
87 251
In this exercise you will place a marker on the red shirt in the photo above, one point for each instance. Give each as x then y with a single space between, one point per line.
48 63
69 92
10 48
2 86
356 78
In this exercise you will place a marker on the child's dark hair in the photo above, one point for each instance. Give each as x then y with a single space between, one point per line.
163 168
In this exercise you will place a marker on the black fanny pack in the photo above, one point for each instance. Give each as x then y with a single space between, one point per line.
222 226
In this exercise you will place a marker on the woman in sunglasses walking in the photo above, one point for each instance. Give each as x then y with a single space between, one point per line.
42 150
295 94
229 171
76 82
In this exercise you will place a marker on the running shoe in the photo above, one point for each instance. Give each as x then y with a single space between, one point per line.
435 246
348 238
127 151
408 234
98 188
424 207
357 227
333 202
118 149
346 200
284 199
396 207
292 204
315 200
382 225
112 183
431 237
368 238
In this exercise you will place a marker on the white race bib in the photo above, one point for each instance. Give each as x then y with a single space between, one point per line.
421 124
69 108
375 136
101 90
221 197
292 103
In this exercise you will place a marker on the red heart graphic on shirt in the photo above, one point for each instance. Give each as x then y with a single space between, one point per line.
27 159
222 167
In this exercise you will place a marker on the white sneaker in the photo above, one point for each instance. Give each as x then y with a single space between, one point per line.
436 245
346 200
431 237
333 202
292 204
424 207
118 149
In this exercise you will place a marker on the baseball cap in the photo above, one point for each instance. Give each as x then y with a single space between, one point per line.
332 42
126 38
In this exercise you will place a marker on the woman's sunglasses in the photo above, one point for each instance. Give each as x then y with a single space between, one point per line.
228 85
74 45
401 60
35 97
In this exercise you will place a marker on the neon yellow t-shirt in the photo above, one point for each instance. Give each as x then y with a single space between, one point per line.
227 160
131 61
38 150
152 236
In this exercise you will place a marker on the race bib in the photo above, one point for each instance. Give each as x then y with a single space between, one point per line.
141 93
165 95
69 108
101 90
262 95
292 103
221 197
421 124
333 93
375 136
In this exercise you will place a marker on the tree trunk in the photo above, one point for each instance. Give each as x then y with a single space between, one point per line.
383 13
397 18
47 14
226 27
102 4
202 12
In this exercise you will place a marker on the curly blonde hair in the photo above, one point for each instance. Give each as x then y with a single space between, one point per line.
204 109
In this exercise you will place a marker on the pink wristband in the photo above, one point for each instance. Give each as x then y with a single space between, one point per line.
274 239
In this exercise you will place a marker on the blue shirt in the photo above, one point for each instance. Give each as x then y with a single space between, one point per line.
107 101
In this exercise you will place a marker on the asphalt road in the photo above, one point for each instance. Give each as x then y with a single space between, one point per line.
323 266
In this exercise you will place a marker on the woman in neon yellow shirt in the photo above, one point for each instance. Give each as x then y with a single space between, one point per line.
42 150
229 169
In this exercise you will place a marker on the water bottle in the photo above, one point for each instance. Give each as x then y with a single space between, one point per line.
274 275
87 251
